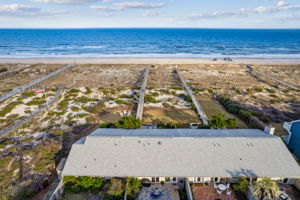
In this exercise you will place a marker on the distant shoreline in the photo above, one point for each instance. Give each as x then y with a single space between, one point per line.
272 61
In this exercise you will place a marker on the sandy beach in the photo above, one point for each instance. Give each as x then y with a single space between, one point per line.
149 61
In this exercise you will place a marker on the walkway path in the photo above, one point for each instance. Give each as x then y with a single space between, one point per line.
253 71
197 104
35 82
140 109
17 124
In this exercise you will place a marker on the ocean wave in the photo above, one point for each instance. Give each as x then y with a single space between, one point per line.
150 55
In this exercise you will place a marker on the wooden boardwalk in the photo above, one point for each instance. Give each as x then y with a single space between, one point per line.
254 71
35 82
140 109
17 124
197 104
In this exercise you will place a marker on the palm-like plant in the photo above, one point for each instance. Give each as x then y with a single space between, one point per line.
266 189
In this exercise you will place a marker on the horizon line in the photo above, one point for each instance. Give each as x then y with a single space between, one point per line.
147 28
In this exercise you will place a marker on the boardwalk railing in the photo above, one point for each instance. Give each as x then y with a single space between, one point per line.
12 71
56 190
14 126
198 107
35 82
253 70
140 109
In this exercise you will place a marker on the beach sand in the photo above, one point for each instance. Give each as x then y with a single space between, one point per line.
148 61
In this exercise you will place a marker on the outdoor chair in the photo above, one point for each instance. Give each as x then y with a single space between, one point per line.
219 192
228 192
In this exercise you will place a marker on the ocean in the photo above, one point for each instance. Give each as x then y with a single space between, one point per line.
150 42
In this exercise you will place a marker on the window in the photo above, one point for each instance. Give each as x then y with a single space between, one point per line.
153 179
174 179
216 179
198 179
167 179
157 179
285 180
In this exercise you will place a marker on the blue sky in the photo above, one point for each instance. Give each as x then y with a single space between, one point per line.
146 13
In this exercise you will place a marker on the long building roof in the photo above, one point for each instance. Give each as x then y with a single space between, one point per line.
181 153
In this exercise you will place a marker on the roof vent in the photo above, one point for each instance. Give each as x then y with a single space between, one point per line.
159 142
116 144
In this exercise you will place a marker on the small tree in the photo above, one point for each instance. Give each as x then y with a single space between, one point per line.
242 186
266 189
116 187
133 186
129 122
220 121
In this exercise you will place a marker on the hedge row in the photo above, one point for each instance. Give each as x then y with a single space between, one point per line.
250 118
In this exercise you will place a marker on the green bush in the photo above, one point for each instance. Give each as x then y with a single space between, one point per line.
119 101
3 69
28 94
220 121
149 99
271 91
74 91
257 89
176 88
63 105
7 109
185 97
83 184
167 125
88 90
125 96
129 122
35 102
75 109
242 186
107 125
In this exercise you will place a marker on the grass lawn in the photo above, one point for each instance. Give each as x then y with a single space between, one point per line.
212 107
109 117
74 196
181 116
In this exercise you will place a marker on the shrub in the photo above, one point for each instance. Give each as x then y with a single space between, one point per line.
28 94
176 88
155 94
107 125
185 97
129 122
244 115
166 105
286 91
74 91
167 125
36 102
62 105
242 186
271 91
88 90
257 89
3 69
83 184
149 99
119 101
218 121
125 96
75 109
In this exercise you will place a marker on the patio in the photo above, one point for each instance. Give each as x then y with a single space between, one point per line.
208 192
169 192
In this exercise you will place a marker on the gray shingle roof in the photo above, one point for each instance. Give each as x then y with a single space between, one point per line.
181 153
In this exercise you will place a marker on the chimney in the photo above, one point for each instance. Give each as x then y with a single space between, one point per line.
269 130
